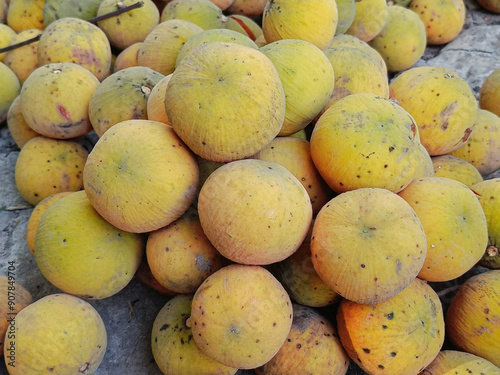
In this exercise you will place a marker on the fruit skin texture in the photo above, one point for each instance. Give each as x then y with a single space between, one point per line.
155 107
56 100
400 336
240 316
307 78
170 329
140 176
268 218
364 140
13 299
10 91
6 35
459 363
225 101
442 104
346 12
312 347
60 334
243 24
443 19
203 13
402 40
23 60
489 94
19 130
78 41
488 192
454 223
314 21
25 14
368 245
473 318
457 169
248 8
370 18
46 166
127 57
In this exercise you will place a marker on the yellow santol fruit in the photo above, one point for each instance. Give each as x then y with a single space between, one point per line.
6 35
368 245
312 347
23 60
488 193
242 24
355 72
457 169
442 104
443 19
127 58
140 176
58 334
77 41
46 166
489 93
346 12
269 215
295 155
206 168
13 298
36 216
454 224
491 5
19 130
203 13
300 279
402 40
55 100
162 45
129 27
180 255
145 276
240 316
473 318
426 166
314 21
364 140
11 87
482 149
25 14
122 96
213 35
459 363
174 349
225 101
82 254
307 77
249 8
400 336
369 19
156 101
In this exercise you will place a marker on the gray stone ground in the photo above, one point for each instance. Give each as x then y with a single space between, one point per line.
129 315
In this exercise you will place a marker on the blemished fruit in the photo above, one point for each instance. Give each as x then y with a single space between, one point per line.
46 166
364 140
400 336
91 267
140 176
180 255
55 100
122 96
58 334
240 316
243 24
203 13
23 60
312 347
19 130
313 21
13 298
77 41
473 318
444 19
489 94
488 193
225 101
25 14
130 27
307 77
457 169
459 363
402 40
454 224
369 19
368 245
11 88
268 219
442 104
127 57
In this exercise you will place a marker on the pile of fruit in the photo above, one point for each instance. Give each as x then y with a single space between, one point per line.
282 170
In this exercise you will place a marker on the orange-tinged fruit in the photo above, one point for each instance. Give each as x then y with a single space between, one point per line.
489 94
456 362
155 106
19 130
127 57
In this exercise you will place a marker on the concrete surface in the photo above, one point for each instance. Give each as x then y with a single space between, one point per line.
129 315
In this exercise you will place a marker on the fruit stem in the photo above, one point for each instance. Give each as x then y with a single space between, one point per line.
492 251
91 20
